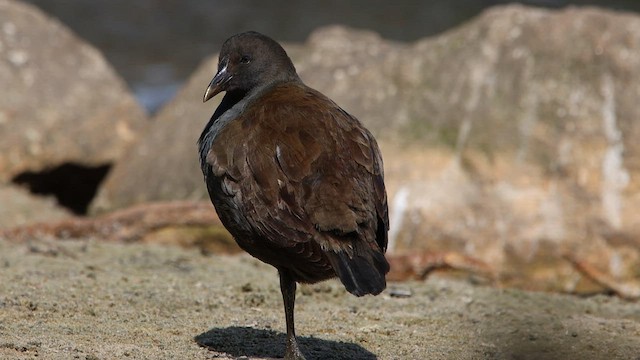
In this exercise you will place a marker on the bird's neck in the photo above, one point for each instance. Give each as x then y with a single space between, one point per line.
233 98
230 99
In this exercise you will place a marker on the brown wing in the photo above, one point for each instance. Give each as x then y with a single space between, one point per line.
303 170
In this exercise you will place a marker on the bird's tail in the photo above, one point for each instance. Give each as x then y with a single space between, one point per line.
363 273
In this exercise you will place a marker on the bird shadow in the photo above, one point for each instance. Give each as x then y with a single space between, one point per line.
248 342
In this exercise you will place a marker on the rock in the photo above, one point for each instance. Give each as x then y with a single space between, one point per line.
62 102
510 139
19 208
155 44
164 165
534 114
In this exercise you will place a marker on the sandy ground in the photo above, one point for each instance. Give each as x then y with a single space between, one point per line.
96 300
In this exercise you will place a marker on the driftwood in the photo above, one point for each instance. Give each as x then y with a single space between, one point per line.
126 225
132 224
418 265
628 290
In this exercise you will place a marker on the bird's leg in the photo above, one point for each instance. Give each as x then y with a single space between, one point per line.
288 289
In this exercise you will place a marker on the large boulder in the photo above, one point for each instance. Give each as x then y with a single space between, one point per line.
511 138
536 114
62 103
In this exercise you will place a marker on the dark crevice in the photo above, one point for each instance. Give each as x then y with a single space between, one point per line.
73 185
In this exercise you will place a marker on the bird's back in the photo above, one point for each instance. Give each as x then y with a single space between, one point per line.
299 183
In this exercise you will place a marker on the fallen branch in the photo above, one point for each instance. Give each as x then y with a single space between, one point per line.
419 265
134 223
126 225
628 290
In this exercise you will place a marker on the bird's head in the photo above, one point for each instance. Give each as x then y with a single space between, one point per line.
248 61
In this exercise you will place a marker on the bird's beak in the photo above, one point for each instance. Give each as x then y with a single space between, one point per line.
218 83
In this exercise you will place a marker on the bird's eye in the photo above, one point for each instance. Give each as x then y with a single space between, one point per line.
245 59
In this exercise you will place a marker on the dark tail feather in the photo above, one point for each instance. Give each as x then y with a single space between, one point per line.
363 274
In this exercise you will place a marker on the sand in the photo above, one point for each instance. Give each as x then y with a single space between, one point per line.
96 300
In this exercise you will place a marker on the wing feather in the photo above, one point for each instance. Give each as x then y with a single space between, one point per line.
302 170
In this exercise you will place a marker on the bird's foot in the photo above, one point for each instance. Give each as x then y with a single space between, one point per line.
293 352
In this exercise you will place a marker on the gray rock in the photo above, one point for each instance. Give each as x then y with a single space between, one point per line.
511 139
61 101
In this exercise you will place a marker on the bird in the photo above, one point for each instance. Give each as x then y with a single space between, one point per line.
295 179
